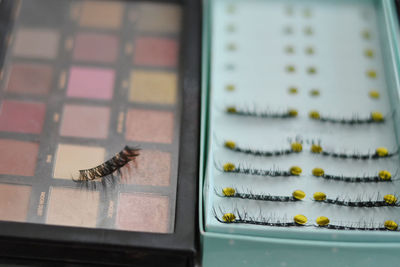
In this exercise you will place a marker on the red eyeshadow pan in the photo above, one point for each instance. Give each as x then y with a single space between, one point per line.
28 78
21 116
151 51
95 47
18 157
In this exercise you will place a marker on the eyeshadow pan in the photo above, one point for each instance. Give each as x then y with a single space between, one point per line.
152 167
101 14
154 51
14 202
22 116
143 212
30 78
18 157
36 43
95 47
85 121
72 207
149 126
157 87
158 18
94 83
72 158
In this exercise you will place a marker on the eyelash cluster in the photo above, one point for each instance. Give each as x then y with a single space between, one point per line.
107 169
382 176
324 222
380 152
375 117
232 168
387 201
233 193
295 147
247 112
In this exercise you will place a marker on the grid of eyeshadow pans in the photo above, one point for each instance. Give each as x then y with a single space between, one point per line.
79 81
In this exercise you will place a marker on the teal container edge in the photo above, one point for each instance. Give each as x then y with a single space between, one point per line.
238 250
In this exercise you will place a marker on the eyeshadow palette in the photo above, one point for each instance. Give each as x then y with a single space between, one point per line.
79 81
300 133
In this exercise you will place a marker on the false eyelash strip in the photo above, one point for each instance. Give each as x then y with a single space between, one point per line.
232 168
230 192
295 147
246 112
387 201
380 152
110 166
323 222
375 117
382 176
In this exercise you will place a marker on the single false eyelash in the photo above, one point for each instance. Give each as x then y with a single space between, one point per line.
248 112
295 147
244 218
375 117
230 192
232 168
382 176
107 169
387 201
388 225
380 152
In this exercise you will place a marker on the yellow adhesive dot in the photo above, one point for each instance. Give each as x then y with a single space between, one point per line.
295 170
316 148
290 68
309 50
377 116
371 74
314 115
228 191
289 49
229 217
369 53
390 199
300 219
312 70
318 172
230 144
374 94
385 175
229 167
231 110
296 147
382 152
289 11
292 112
231 47
307 13
230 87
293 90
366 34
319 196
322 221
298 194
314 92
391 225
308 30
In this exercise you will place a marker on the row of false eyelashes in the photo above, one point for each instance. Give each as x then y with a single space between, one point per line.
389 200
241 217
374 117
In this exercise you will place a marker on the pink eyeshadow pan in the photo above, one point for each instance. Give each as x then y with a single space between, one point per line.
95 47
143 212
21 116
149 126
152 167
26 78
14 202
94 83
85 121
151 51
18 157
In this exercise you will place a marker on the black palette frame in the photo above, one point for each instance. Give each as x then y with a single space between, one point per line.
28 242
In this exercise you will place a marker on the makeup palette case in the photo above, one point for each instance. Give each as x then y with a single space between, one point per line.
99 132
299 133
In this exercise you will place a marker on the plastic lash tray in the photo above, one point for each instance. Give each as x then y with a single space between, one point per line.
306 92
